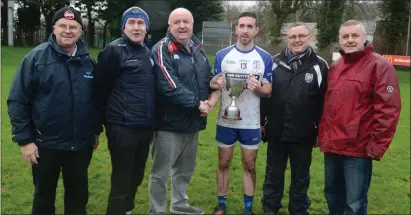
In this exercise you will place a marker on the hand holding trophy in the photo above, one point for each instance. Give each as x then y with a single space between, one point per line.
218 82
252 83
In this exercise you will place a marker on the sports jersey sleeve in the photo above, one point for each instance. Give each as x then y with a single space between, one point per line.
268 64
217 64
267 78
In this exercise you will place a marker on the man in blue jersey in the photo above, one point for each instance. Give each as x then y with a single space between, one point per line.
248 61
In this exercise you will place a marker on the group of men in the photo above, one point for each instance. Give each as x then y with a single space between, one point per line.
60 100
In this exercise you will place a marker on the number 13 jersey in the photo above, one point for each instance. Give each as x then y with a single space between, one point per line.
240 64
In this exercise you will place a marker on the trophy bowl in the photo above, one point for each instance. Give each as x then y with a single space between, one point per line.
234 87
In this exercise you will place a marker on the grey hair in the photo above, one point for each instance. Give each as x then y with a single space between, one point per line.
353 22
296 24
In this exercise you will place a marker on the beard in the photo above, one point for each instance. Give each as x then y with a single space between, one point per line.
245 41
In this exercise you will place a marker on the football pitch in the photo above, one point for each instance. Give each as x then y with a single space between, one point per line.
389 192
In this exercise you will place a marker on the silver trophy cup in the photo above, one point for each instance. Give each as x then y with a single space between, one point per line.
234 87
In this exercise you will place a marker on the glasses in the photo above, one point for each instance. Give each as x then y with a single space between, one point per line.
72 28
301 37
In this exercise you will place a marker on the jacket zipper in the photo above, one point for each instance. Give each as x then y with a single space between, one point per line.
195 49
72 99
192 61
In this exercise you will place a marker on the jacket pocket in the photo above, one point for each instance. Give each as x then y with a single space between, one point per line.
352 129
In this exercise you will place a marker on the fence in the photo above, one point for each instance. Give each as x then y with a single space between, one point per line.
216 36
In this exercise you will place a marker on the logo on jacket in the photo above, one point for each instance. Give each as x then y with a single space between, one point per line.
390 89
88 75
309 77
176 56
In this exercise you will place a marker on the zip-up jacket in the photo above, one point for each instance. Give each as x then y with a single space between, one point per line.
295 106
124 84
183 80
50 98
362 105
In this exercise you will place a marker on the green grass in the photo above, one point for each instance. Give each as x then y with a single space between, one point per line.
389 192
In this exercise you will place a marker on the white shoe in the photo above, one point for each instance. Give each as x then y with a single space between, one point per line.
128 212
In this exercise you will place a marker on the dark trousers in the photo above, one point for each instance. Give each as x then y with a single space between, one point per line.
300 159
129 149
347 180
74 166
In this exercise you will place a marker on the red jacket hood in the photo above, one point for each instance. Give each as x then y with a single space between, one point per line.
355 56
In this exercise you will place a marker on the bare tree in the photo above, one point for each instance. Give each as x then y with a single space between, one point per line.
232 11
362 10
282 9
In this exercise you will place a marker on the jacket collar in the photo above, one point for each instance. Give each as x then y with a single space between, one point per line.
133 44
282 59
81 47
355 56
193 43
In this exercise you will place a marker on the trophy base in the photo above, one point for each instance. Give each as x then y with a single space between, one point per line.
232 117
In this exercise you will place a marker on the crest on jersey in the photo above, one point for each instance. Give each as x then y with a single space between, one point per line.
68 14
309 77
256 64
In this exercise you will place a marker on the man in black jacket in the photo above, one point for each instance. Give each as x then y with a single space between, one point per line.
124 95
183 74
52 116
291 116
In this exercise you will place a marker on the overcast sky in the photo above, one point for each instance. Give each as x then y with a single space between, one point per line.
247 3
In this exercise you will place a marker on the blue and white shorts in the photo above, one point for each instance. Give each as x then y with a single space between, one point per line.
249 138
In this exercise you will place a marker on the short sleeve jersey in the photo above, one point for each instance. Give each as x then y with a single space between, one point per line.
233 62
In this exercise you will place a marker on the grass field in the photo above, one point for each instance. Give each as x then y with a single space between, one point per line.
389 192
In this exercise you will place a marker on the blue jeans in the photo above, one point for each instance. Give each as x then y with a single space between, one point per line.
347 180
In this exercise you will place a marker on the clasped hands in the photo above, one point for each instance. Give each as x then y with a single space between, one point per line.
219 82
205 107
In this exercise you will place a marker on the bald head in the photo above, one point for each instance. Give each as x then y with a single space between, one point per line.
180 12
181 24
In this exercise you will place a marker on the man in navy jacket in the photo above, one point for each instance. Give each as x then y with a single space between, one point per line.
52 116
183 75
124 95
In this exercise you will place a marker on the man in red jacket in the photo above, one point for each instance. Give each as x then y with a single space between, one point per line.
361 111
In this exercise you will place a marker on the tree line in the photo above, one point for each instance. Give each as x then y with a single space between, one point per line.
106 13
392 16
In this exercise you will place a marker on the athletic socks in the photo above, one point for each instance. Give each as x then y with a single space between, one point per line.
222 202
248 204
